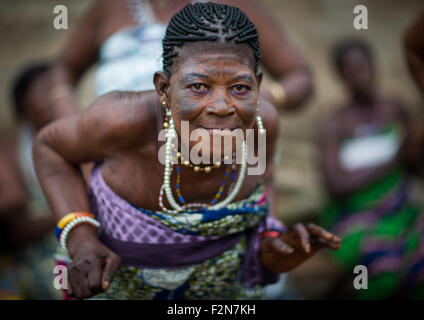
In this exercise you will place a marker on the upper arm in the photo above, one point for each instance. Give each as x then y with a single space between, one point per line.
82 50
279 55
114 122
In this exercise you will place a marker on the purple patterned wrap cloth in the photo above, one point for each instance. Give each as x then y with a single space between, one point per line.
147 239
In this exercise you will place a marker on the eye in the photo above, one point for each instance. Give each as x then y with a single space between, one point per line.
199 88
240 89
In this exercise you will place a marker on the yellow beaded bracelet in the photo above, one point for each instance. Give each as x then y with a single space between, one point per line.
68 218
71 216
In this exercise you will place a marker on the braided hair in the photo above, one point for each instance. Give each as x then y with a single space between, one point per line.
208 22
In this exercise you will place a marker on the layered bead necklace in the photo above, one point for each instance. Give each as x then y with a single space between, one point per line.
221 188
166 186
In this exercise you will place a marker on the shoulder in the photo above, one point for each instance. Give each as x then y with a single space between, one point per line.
129 117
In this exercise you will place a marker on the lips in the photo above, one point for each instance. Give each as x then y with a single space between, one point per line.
219 130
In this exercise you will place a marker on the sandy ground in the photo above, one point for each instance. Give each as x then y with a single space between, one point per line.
27 33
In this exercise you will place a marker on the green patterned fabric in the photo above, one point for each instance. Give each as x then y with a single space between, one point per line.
382 230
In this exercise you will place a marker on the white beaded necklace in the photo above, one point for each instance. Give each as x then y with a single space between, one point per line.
168 171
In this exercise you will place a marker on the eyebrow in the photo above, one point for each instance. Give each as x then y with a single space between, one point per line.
193 75
245 77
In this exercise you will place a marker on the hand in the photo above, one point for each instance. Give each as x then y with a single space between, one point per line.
93 264
293 247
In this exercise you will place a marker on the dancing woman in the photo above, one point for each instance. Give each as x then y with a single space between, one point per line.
178 230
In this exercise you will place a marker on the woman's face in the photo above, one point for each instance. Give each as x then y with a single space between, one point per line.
358 72
213 87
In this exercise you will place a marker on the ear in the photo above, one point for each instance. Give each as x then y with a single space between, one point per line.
259 78
161 81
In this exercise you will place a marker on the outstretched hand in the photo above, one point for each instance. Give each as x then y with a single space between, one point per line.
296 245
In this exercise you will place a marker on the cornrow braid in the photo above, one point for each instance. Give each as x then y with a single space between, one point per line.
208 22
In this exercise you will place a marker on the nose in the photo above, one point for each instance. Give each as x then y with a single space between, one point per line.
221 105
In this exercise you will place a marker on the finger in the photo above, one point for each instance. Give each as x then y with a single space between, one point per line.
74 276
112 264
69 291
334 246
77 291
85 291
324 243
281 246
321 232
79 282
94 279
304 236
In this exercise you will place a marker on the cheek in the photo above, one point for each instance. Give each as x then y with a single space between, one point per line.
184 105
248 113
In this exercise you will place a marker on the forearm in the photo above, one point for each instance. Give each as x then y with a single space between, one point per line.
62 181
64 187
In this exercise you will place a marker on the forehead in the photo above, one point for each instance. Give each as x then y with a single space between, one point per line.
214 59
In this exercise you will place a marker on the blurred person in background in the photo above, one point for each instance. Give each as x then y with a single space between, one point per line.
414 52
28 243
362 147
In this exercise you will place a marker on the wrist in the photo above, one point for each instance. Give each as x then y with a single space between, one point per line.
82 232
